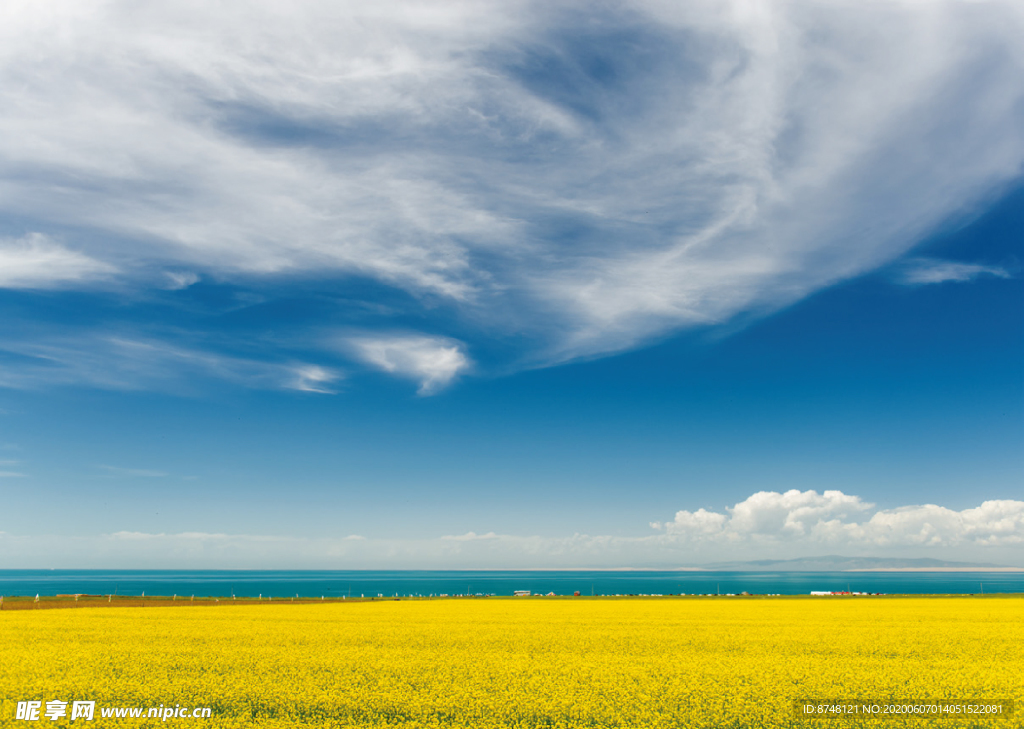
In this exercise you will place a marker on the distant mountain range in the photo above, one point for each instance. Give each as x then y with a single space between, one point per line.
835 563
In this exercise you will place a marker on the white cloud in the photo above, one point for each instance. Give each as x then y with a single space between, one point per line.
11 474
314 378
791 513
433 361
696 522
118 362
931 271
133 472
129 548
993 523
177 280
588 185
834 518
135 535
37 262
766 525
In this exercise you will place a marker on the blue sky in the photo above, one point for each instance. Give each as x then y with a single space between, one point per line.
435 285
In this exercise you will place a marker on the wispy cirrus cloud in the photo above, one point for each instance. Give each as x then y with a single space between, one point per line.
588 186
931 271
133 472
176 280
313 378
432 361
5 472
120 362
34 261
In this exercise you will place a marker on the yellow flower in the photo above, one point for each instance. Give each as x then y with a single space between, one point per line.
630 663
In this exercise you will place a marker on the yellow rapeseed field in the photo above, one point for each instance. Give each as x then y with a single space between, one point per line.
729 662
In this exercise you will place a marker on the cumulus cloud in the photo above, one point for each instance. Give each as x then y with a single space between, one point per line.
470 537
792 513
767 524
931 271
697 522
433 361
834 518
35 261
588 185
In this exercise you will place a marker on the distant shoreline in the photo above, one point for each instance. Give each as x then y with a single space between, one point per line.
936 569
